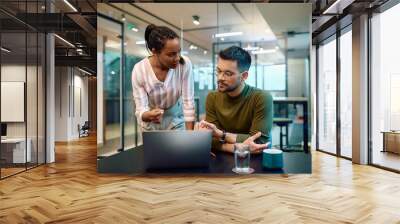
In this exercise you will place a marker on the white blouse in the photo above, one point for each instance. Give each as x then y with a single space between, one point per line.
150 93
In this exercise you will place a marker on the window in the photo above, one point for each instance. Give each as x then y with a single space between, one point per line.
346 94
327 96
385 88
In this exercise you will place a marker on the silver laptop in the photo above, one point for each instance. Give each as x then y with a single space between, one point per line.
176 149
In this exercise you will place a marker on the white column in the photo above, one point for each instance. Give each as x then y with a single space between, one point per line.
360 90
50 94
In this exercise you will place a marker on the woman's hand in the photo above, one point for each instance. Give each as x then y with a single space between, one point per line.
254 147
154 115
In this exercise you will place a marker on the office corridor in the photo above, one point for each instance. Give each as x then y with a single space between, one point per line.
71 191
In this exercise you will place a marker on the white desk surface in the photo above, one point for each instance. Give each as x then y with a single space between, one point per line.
13 140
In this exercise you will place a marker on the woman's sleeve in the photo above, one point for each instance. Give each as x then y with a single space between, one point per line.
188 92
139 94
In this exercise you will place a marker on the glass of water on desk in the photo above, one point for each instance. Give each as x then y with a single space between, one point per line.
242 159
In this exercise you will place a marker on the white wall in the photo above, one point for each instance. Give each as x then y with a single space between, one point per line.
70 83
12 73
296 77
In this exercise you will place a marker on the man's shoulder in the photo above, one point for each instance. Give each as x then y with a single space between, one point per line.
212 95
261 94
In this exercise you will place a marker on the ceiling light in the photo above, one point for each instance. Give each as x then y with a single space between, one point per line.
5 49
112 73
251 48
262 51
135 29
65 41
196 20
228 34
331 7
43 7
123 19
78 50
86 72
222 39
193 47
70 5
140 42
204 52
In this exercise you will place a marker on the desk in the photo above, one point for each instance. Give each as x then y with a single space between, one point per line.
298 100
132 161
391 141
17 150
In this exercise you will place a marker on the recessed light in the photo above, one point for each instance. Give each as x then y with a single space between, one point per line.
196 20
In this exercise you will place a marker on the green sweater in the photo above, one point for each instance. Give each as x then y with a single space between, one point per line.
245 115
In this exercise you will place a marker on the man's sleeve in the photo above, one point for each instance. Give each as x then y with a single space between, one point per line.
262 119
211 117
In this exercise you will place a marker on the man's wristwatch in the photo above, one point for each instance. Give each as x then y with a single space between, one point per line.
222 139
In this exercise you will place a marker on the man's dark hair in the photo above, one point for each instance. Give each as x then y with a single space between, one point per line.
238 54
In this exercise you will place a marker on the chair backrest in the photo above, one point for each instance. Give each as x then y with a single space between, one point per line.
86 124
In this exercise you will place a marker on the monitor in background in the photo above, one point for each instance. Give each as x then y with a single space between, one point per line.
3 130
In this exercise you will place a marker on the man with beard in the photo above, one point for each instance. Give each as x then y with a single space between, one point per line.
238 112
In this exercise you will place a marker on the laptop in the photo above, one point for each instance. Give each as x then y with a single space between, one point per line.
176 149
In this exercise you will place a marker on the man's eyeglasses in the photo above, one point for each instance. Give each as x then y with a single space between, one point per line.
225 73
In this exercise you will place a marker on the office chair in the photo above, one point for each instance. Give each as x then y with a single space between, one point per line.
84 130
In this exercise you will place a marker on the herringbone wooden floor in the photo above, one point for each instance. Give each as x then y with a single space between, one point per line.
70 191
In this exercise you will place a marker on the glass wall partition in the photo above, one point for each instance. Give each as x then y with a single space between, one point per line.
22 76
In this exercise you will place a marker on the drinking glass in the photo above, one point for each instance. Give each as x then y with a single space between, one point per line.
242 159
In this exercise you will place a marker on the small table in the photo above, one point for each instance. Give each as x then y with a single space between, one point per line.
132 161
391 141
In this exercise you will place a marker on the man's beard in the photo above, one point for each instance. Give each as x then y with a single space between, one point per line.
230 88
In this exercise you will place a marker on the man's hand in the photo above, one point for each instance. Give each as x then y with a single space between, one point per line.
210 126
254 147
154 115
